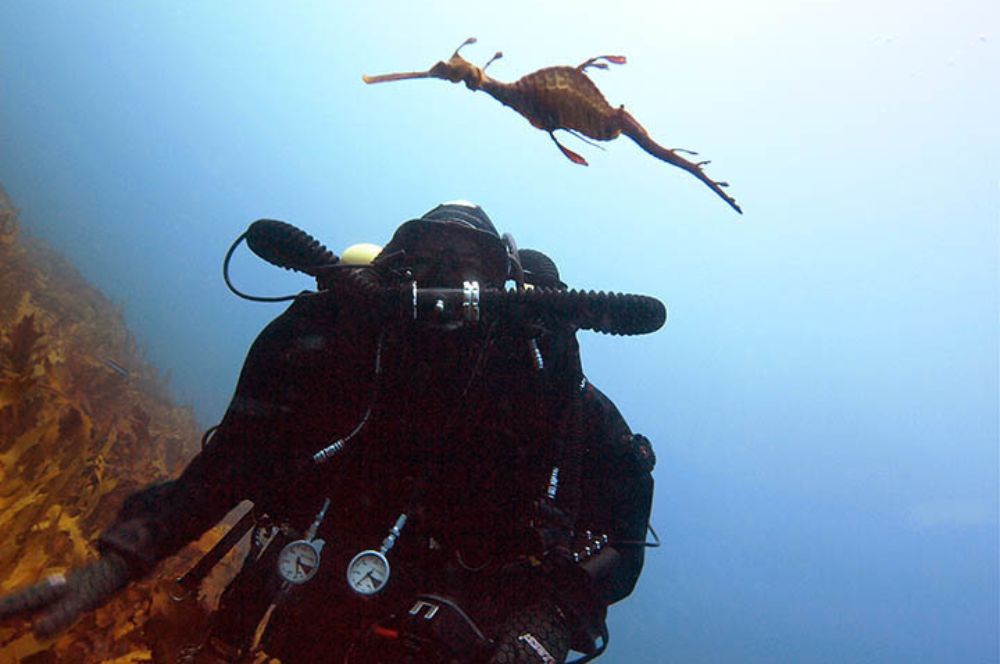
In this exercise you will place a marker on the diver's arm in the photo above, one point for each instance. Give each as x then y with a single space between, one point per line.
252 452
140 537
156 522
618 491
152 524
617 482
257 449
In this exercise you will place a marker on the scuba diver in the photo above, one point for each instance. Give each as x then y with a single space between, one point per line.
433 478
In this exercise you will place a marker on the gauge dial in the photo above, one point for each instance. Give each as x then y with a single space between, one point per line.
368 572
298 561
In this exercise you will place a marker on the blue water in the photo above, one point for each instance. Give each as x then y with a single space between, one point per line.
824 398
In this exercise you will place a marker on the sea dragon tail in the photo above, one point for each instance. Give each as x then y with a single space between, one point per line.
635 131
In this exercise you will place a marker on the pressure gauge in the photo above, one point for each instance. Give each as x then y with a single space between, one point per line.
299 560
368 572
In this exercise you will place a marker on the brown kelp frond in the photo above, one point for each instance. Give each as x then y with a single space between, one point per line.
19 346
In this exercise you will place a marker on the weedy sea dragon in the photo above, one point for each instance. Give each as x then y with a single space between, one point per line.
561 98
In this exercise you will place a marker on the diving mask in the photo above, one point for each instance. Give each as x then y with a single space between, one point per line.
447 253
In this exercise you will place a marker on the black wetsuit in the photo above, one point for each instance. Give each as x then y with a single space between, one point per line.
463 435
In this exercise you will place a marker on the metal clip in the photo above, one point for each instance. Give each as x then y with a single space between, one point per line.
421 605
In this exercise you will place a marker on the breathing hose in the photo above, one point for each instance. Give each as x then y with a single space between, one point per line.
284 245
288 247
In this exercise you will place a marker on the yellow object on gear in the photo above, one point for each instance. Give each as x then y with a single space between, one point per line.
360 254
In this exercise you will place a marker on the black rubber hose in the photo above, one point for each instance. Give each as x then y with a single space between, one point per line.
571 480
284 245
610 313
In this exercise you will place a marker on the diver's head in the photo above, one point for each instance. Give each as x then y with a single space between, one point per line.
453 243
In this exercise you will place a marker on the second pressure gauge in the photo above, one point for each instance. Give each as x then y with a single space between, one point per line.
368 572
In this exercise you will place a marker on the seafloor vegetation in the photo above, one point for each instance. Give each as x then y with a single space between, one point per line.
84 421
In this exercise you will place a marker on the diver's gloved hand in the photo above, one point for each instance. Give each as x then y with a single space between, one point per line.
60 600
578 598
549 531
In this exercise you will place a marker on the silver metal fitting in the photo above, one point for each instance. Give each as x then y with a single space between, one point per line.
470 301
328 452
536 355
394 533
413 287
553 483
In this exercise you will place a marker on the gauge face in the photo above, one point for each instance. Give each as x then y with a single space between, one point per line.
298 561
368 572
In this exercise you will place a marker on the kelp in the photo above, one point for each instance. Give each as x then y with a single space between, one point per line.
84 422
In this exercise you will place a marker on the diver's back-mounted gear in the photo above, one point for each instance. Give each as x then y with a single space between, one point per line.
286 246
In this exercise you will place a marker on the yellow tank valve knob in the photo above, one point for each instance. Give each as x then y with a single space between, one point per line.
360 254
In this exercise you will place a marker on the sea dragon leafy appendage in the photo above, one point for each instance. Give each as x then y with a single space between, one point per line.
564 98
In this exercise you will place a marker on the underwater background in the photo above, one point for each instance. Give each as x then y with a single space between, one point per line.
824 397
